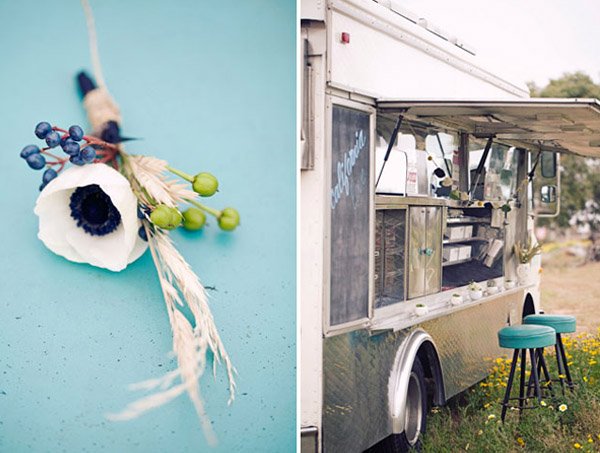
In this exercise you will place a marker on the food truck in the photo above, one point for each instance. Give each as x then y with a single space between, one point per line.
420 173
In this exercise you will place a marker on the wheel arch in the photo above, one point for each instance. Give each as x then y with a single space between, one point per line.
529 306
418 344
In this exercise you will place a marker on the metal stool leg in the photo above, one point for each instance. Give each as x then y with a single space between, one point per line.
564 360
511 376
534 373
540 367
522 382
559 364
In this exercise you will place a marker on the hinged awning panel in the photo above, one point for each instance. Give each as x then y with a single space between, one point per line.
558 125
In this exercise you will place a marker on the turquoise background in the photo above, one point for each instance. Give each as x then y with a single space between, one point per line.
210 86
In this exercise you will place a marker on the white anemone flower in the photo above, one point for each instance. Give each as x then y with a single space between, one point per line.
88 214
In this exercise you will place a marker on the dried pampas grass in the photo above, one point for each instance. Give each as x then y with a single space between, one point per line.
150 173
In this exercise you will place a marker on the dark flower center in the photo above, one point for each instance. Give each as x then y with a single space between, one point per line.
93 210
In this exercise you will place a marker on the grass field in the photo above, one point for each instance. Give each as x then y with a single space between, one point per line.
571 288
563 423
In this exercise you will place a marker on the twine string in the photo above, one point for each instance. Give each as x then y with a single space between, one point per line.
99 104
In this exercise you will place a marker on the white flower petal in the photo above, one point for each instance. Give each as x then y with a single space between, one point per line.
55 221
103 251
139 248
60 233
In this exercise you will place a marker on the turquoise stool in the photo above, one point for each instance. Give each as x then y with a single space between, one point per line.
561 324
523 338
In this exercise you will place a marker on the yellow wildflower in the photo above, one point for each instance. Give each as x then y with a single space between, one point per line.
480 432
543 403
491 417
486 405
592 362
577 445
562 376
585 379
520 441
563 407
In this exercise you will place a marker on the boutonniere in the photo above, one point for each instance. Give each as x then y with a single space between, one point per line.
103 206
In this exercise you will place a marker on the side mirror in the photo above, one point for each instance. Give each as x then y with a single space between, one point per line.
548 194
546 186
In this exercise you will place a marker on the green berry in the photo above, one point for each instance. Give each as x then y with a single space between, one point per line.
193 219
161 216
165 217
176 219
205 184
229 219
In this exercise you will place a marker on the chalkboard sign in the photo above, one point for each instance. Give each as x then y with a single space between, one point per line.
350 195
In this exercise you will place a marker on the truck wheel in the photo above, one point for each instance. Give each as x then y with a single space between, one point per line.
415 417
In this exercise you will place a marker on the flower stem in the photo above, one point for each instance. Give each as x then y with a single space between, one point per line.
180 174
212 211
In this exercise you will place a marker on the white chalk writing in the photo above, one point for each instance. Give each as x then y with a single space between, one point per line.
344 168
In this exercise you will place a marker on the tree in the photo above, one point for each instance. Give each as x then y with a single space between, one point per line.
580 177
570 85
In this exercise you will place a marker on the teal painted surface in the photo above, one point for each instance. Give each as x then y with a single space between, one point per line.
209 86
526 337
560 323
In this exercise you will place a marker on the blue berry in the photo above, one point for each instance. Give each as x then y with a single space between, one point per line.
29 150
142 233
53 139
42 129
36 161
88 154
49 175
76 160
76 133
71 147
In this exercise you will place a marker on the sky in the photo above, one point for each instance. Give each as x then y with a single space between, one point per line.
522 40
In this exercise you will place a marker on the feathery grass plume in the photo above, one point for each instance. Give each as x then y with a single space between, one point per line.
180 286
150 173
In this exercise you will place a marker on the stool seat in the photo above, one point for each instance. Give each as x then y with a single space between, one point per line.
560 323
526 336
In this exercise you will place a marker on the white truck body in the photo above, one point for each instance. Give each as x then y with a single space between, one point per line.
373 58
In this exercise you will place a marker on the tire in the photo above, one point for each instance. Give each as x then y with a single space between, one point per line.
416 417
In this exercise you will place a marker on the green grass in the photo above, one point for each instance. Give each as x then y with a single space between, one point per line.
474 423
